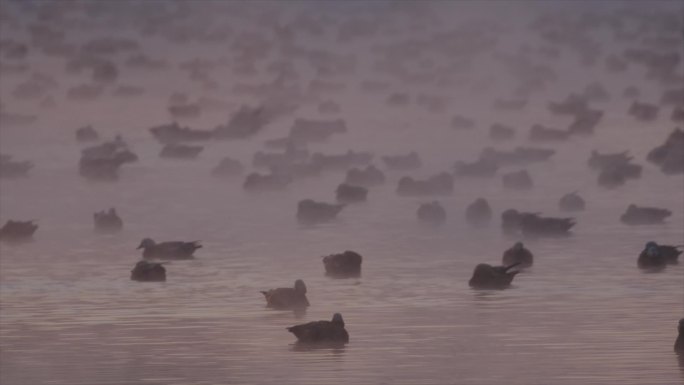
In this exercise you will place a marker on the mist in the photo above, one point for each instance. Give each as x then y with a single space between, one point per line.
164 162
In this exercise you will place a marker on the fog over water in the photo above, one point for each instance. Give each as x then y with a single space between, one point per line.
403 76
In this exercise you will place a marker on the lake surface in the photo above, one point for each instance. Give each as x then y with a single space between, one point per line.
583 314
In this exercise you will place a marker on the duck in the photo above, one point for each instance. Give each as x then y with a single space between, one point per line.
492 277
571 202
439 184
518 254
180 151
168 250
107 221
520 180
679 343
344 265
286 298
658 256
10 168
432 212
310 211
533 224
321 331
368 177
347 193
482 168
145 271
635 215
87 134
18 231
408 161
266 182
670 155
228 167
479 213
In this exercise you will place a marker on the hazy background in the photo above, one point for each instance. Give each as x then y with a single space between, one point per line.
584 313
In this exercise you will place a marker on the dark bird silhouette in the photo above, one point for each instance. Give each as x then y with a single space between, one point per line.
679 343
532 224
432 213
18 231
518 255
309 211
321 331
145 271
492 277
107 221
571 202
658 256
635 215
287 298
344 265
479 213
168 250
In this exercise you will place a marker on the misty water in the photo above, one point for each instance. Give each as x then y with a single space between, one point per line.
582 314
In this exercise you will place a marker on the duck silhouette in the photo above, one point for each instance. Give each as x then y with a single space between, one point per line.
432 213
17 231
168 250
655 256
679 343
311 212
107 221
321 331
479 213
635 215
287 298
518 254
145 271
492 277
571 202
344 265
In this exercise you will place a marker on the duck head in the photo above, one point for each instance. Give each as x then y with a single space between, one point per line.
681 327
300 287
652 249
147 242
518 246
650 244
337 319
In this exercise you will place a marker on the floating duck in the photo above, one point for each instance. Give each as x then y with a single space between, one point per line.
310 211
658 256
17 231
679 343
168 250
347 193
636 215
145 271
479 213
321 331
492 277
344 265
107 221
571 202
287 298
432 212
519 255
532 224
368 177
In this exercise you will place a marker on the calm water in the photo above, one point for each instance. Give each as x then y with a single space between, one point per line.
584 314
